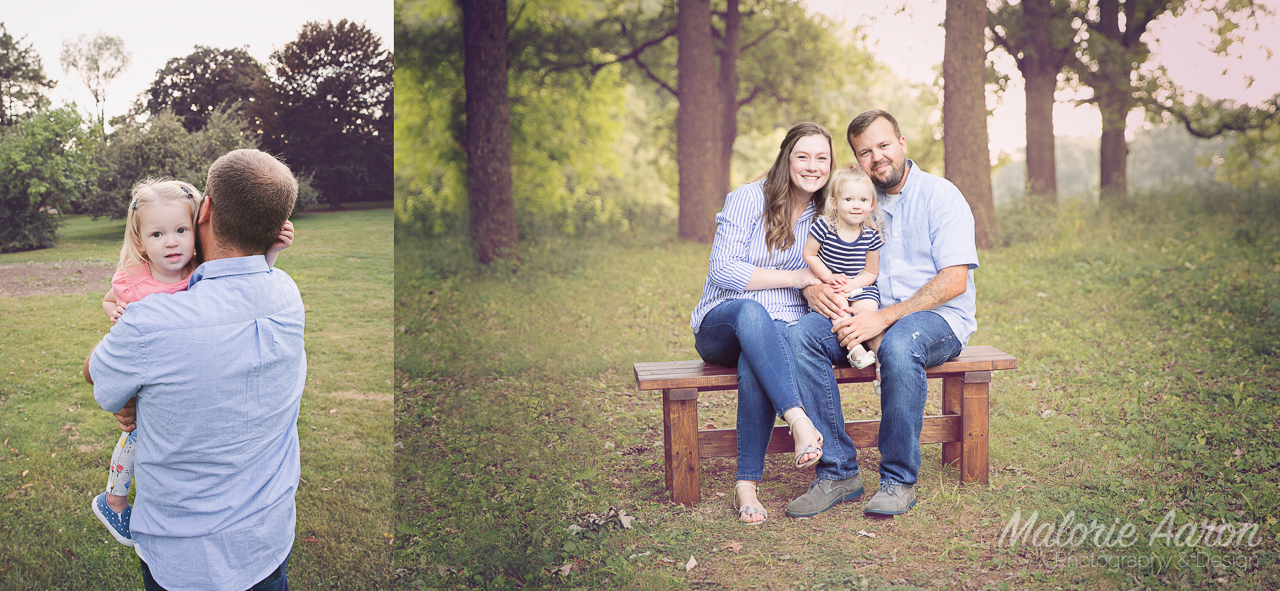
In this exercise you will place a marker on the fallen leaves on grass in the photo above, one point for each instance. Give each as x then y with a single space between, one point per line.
596 521
867 534
734 547
688 566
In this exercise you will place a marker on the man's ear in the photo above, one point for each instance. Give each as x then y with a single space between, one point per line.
206 211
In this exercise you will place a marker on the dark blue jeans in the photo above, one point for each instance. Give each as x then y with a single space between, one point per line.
740 333
917 341
276 581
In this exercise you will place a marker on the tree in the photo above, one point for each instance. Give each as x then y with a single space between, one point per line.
785 58
488 131
697 145
98 60
48 164
964 112
1040 37
328 111
194 86
160 146
22 79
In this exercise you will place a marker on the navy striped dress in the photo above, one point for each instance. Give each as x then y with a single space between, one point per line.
849 258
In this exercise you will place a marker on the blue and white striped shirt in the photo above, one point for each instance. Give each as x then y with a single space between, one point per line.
739 248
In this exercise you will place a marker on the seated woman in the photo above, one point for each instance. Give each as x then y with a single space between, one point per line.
752 291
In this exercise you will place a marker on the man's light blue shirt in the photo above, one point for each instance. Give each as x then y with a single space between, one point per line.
930 227
218 371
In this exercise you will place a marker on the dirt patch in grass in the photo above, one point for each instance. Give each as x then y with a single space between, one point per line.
56 278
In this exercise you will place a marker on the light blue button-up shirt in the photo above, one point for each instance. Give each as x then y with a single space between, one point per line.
930 227
218 371
739 248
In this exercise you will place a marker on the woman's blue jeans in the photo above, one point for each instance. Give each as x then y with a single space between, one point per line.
915 342
740 333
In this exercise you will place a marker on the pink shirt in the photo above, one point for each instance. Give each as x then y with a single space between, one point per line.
138 283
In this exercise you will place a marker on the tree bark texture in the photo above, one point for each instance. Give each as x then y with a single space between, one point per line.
964 112
488 130
1040 65
697 122
728 90
1042 172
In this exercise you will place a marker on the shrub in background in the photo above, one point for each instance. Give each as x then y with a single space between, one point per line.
47 161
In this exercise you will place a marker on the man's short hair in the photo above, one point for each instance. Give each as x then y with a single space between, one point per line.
254 194
863 121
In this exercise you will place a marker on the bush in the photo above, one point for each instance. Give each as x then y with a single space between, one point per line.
160 147
46 159
308 195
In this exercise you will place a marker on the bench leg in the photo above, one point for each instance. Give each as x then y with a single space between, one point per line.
680 445
952 393
974 421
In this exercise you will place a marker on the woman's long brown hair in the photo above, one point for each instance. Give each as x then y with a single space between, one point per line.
778 188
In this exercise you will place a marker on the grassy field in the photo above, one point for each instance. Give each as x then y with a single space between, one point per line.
56 440
1147 386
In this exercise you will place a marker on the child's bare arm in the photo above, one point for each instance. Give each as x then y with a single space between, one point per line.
282 242
869 272
111 307
810 255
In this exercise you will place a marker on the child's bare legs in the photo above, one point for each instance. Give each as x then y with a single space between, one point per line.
859 356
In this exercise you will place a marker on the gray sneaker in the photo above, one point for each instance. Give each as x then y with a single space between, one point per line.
824 494
892 499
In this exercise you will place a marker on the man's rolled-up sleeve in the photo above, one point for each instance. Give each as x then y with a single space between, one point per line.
953 232
117 367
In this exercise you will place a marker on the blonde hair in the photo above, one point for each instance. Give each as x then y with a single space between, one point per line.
147 194
778 188
852 174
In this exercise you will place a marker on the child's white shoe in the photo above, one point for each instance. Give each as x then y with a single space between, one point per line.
863 361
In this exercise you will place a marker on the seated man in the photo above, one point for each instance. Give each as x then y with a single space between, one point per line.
926 317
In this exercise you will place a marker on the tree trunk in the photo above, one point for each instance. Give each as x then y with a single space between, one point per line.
964 112
697 149
1042 172
1040 66
1113 93
728 89
488 130
1113 153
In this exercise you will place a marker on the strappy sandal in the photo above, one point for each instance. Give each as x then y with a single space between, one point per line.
747 510
808 449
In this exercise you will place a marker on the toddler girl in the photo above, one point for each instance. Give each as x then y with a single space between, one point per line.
843 248
158 256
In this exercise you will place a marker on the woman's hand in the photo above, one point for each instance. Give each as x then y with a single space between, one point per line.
804 278
823 300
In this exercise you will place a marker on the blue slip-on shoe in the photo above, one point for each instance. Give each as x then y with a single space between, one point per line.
117 523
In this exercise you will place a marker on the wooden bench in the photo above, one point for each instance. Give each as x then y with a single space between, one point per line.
961 429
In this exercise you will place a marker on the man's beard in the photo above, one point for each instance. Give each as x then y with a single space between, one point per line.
896 172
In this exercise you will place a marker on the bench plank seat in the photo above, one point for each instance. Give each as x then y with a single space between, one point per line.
962 429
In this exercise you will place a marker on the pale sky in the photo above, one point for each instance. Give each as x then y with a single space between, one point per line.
155 31
910 39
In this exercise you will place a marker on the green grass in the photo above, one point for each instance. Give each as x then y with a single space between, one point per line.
56 440
1147 341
